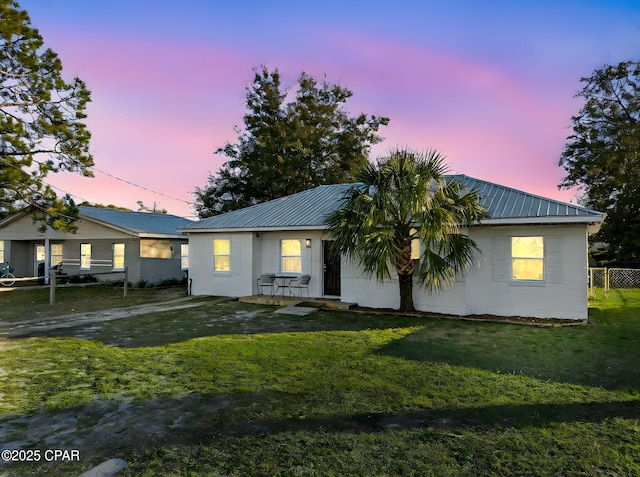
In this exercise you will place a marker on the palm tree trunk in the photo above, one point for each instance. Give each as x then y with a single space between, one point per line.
406 292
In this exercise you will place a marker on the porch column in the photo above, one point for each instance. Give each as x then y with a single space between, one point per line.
47 260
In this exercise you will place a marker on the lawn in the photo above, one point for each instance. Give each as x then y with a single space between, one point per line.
234 389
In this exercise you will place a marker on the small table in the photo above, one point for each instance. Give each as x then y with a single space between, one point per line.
285 281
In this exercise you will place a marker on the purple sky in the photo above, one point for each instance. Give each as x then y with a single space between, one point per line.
490 87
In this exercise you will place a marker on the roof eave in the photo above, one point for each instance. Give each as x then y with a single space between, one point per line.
567 219
159 235
253 229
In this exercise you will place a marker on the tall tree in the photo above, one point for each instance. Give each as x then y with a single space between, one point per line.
41 122
602 155
402 204
287 147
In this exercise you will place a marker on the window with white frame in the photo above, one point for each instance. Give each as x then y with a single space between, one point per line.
184 256
85 256
222 255
56 254
527 258
118 256
291 253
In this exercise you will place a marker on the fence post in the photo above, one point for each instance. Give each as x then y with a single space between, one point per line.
606 282
52 288
126 281
591 282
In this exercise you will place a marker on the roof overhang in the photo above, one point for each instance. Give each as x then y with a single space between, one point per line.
253 229
162 236
592 222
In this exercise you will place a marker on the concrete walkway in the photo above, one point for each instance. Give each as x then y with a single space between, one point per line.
36 325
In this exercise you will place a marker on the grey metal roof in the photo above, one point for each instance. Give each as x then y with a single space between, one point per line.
137 222
307 208
503 202
312 207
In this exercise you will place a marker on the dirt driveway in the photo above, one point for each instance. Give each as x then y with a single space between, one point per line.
31 326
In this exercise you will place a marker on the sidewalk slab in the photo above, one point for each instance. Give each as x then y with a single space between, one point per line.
295 310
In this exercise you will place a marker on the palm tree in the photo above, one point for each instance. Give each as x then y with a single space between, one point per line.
402 204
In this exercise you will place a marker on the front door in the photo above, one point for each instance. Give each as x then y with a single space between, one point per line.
38 260
331 270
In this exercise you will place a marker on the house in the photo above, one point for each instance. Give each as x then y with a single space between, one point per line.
533 259
107 240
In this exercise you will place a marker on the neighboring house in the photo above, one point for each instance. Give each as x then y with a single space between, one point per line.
533 259
107 240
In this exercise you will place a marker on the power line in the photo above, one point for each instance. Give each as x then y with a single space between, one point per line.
141 187
124 181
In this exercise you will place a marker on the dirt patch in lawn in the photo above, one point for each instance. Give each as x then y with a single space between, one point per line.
103 429
520 320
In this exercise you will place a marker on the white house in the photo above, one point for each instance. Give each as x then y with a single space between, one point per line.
107 240
533 260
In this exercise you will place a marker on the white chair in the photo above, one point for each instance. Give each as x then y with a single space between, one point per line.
266 280
299 283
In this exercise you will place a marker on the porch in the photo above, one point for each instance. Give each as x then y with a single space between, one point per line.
329 303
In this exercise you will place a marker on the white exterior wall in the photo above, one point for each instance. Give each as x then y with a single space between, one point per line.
488 288
206 281
251 255
563 294
311 257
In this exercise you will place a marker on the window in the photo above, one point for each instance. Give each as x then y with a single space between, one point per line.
56 254
1 252
85 256
291 256
184 256
156 248
527 258
222 255
39 253
118 256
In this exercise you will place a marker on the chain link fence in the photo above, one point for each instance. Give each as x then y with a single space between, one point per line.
607 278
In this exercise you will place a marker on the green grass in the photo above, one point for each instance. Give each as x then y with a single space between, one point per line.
19 304
233 389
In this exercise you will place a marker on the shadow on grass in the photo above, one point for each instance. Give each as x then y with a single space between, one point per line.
589 356
228 318
101 427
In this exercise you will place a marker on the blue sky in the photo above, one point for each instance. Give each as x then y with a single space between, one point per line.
489 84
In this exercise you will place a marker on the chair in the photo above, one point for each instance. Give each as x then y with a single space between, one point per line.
266 280
299 283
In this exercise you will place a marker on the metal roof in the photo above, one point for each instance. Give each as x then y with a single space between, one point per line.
503 202
137 222
307 208
310 208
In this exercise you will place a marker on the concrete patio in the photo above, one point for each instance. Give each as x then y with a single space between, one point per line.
329 303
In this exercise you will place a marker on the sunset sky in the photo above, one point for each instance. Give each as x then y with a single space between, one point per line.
491 85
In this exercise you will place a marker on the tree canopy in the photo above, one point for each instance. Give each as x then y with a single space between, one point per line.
405 216
41 122
287 147
602 155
